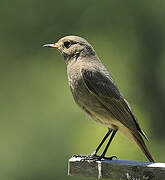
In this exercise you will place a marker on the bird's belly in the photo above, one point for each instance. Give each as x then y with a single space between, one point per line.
102 116
89 103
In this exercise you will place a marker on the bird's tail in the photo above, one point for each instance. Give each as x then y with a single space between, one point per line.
140 142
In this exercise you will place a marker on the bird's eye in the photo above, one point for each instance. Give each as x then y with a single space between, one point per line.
67 44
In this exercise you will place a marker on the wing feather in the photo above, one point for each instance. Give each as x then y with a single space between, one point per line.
105 90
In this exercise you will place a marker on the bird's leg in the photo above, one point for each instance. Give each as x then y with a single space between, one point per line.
94 155
107 146
101 143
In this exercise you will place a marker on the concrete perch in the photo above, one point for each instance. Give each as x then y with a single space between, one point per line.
116 169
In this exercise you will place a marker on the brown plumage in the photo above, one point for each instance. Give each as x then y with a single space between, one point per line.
96 93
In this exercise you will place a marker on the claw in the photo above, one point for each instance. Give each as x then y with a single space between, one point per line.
110 158
93 157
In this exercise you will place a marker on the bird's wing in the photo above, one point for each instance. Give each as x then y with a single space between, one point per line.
108 94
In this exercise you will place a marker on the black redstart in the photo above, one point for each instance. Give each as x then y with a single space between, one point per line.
96 93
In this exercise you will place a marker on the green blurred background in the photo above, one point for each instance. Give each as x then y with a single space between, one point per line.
40 125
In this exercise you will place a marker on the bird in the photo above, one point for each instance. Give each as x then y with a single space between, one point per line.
95 92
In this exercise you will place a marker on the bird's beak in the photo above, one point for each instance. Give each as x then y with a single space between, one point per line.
55 45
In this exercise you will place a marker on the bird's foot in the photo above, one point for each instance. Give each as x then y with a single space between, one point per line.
94 157
91 157
109 158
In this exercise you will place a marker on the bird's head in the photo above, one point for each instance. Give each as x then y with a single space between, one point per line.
72 47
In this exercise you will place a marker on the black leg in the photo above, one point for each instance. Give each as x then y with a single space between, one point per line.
103 140
94 156
107 146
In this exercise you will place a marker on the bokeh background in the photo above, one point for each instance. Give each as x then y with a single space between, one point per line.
40 125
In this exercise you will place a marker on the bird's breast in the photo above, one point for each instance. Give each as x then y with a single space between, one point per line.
76 83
